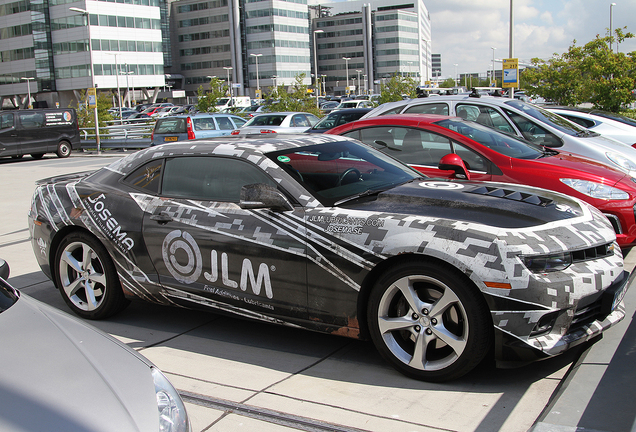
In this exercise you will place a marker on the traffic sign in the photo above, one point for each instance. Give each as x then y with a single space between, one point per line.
510 73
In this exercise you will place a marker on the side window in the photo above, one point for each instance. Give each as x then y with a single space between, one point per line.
147 177
6 120
474 161
378 137
429 108
202 124
533 132
300 120
486 116
423 148
224 123
31 120
210 178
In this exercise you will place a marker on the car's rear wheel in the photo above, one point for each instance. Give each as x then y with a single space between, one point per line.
37 155
86 277
64 149
429 321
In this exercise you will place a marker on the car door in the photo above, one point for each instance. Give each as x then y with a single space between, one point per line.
209 251
423 150
34 137
9 138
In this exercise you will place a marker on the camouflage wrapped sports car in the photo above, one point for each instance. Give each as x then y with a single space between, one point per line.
326 233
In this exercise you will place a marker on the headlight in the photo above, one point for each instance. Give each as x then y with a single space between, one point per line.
596 190
547 263
172 413
621 161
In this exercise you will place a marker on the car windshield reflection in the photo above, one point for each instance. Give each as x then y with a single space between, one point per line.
333 172
507 145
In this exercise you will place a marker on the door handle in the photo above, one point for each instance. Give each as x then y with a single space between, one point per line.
161 218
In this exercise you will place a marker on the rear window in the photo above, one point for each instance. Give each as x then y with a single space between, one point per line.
266 120
170 126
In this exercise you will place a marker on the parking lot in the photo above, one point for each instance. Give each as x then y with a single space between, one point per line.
242 375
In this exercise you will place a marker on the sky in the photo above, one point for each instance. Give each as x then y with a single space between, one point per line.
463 31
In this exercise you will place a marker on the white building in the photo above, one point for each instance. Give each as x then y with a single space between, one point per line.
51 45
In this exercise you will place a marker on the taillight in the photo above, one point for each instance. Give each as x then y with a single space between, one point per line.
235 132
634 145
267 131
189 128
152 136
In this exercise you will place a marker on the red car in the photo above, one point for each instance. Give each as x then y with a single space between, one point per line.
442 146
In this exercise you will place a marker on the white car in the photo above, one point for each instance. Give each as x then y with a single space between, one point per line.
278 122
61 374
525 120
608 124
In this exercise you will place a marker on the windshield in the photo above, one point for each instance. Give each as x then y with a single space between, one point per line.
500 142
545 116
335 171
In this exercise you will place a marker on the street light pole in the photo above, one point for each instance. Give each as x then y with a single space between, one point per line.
426 41
229 86
92 72
127 72
346 59
28 80
493 67
258 86
610 32
456 83
316 85
121 120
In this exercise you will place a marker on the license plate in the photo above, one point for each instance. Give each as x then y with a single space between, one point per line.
171 139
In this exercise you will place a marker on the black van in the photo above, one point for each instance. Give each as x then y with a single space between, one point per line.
39 131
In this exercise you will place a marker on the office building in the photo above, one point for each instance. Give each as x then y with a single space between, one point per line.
50 44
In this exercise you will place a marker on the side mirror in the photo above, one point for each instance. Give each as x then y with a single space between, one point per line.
4 269
453 162
260 195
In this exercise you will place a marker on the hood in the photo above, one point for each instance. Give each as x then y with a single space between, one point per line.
493 204
570 165
60 374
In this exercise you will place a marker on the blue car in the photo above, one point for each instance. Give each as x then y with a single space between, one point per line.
189 127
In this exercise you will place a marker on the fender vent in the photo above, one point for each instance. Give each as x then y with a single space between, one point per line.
512 195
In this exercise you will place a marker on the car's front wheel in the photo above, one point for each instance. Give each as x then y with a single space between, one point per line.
86 277
429 321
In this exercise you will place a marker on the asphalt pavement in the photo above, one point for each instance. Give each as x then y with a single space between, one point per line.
236 375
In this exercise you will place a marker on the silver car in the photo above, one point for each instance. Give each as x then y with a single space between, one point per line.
61 374
195 126
278 122
524 120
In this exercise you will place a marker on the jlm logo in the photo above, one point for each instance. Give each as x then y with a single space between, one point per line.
191 271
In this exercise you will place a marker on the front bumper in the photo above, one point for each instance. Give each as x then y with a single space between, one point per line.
569 327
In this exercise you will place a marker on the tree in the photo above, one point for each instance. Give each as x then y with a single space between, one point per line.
298 99
590 73
86 116
207 100
448 83
395 87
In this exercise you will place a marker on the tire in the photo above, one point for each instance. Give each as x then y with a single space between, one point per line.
64 149
37 155
428 321
16 156
87 279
